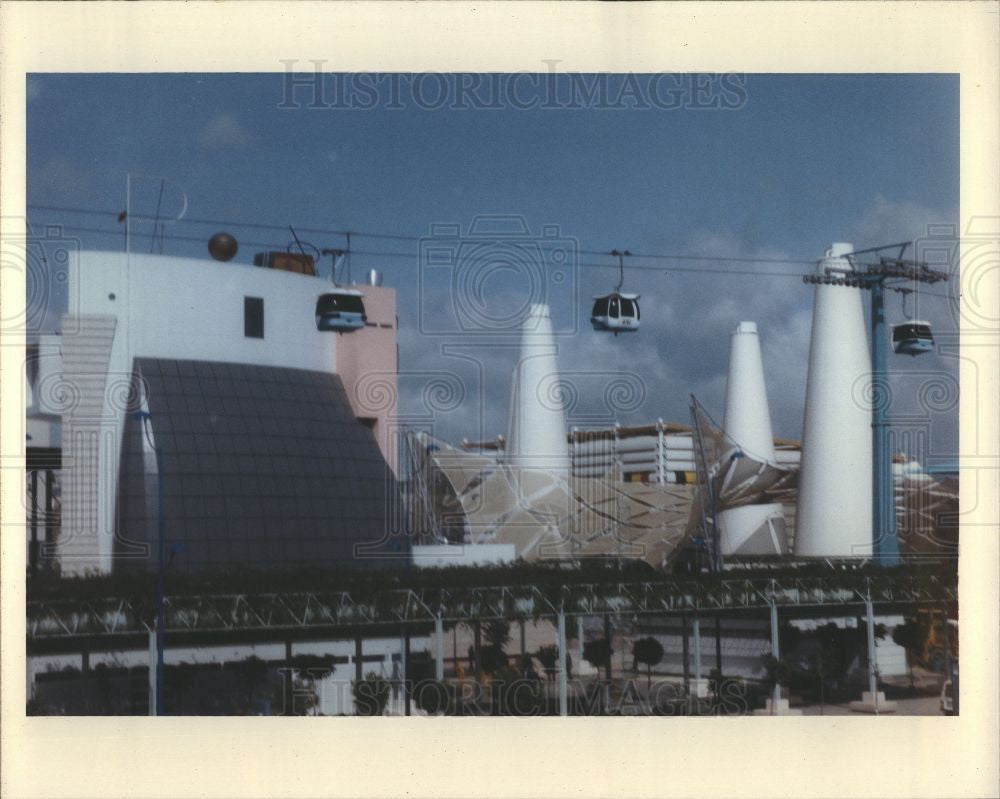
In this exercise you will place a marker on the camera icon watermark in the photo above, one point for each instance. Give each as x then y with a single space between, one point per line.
43 257
486 280
972 260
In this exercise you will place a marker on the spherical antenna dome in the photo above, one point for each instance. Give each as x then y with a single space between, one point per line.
222 247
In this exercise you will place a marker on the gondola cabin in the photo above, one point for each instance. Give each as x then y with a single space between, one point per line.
341 310
912 338
615 313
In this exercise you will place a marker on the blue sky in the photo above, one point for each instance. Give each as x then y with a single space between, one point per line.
801 161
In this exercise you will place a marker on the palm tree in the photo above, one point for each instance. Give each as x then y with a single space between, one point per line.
779 673
497 633
548 656
371 695
649 651
909 636
300 682
253 672
598 654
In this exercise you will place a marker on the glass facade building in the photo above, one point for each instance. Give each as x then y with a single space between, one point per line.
261 466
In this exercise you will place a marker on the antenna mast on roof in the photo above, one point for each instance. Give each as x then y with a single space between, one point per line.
348 256
299 243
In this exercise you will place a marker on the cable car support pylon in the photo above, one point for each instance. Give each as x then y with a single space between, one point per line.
873 277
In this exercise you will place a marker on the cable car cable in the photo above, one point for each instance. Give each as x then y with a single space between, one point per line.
391 254
402 237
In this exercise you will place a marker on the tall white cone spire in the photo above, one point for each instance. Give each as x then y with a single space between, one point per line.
834 517
536 436
751 529
748 419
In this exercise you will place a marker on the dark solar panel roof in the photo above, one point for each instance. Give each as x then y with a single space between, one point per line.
262 466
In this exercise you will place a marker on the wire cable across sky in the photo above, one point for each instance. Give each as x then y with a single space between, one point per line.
381 253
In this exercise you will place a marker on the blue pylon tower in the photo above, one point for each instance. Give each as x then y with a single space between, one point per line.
884 273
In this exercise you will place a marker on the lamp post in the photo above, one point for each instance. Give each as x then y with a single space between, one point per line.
161 565
885 545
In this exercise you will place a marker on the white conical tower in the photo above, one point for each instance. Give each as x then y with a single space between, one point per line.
536 433
751 529
834 516
748 420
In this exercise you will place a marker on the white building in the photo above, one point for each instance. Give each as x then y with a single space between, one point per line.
270 451
276 441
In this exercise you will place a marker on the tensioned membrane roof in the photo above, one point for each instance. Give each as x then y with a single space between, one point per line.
546 514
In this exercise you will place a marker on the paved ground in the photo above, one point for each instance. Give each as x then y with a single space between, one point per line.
920 706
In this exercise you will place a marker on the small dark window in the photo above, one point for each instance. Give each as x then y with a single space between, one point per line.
613 310
910 331
600 307
253 317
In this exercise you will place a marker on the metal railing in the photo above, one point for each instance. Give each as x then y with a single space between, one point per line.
316 610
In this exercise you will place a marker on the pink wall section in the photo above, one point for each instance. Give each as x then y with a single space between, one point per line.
367 364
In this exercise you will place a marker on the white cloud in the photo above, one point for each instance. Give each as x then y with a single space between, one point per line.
224 132
681 349
887 222
683 345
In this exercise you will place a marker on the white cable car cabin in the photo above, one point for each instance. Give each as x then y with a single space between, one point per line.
615 313
341 310
912 338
